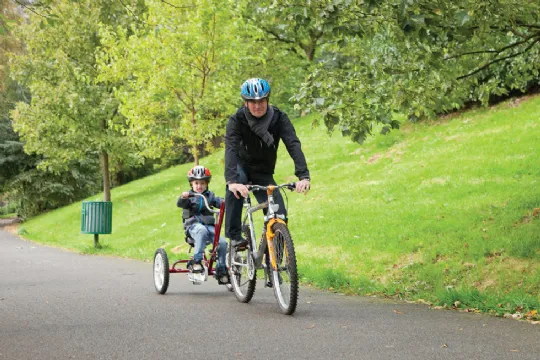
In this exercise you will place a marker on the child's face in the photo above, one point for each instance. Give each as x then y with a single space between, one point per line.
199 185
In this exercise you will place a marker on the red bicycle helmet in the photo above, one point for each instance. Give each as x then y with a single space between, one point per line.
199 173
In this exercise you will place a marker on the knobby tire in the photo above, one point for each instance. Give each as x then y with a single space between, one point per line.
285 279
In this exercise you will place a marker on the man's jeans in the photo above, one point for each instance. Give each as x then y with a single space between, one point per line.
204 235
233 206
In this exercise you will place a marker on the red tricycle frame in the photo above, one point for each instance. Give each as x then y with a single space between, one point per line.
213 255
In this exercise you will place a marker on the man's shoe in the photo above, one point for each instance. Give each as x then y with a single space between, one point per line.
270 282
222 276
239 243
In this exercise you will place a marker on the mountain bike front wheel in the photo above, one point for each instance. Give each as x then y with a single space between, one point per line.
243 273
285 277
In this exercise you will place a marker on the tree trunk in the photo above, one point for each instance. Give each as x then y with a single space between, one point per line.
105 170
195 152
195 147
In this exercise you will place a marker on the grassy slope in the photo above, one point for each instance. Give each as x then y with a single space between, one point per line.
442 212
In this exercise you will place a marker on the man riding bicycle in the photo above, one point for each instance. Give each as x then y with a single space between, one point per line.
251 144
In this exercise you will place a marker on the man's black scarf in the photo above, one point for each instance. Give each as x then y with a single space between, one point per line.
260 126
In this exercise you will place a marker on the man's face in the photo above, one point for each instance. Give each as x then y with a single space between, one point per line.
257 108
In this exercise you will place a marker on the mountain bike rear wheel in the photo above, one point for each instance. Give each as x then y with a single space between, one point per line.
228 262
285 278
243 273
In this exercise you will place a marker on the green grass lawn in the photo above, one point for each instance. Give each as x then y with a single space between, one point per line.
446 211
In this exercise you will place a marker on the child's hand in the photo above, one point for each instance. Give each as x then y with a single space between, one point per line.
185 195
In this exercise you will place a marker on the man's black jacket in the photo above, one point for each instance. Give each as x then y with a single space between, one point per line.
244 147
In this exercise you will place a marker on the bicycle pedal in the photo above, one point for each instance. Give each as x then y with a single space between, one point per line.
196 278
241 247
198 271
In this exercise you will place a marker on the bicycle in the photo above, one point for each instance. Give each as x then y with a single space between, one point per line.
282 270
161 260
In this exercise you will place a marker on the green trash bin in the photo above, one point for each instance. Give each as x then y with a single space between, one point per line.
96 217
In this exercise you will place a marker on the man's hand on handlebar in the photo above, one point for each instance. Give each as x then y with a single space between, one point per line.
239 190
303 186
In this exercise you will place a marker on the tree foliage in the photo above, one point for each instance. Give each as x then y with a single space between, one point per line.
71 115
13 159
303 27
291 35
422 58
35 191
179 71
134 80
29 190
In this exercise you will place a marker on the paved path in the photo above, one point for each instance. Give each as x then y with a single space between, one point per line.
8 221
60 305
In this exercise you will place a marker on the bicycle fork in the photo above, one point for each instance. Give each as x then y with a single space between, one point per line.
270 241
266 240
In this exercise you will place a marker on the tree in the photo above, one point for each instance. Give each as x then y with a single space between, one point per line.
492 46
179 70
423 58
71 115
303 28
13 160
31 191
293 36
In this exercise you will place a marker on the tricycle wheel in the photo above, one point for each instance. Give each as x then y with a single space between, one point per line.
161 271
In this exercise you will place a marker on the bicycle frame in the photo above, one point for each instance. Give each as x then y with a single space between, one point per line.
270 219
280 269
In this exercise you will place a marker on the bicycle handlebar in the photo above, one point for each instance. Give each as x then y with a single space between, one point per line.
205 202
290 186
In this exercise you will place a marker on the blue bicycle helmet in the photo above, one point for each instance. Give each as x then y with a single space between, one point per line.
255 89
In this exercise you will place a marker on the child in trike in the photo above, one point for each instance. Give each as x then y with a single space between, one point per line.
199 222
201 229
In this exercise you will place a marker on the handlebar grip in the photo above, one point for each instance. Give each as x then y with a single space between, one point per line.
290 186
